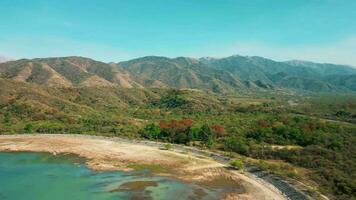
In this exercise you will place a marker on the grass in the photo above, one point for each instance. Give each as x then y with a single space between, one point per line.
154 168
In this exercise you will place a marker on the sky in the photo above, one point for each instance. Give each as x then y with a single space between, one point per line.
117 30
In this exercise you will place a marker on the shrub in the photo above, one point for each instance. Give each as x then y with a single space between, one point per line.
151 131
28 128
237 164
236 144
167 146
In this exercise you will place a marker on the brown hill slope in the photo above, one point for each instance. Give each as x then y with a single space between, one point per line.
148 72
66 72
181 72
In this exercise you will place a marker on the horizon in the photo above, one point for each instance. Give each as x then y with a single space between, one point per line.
10 59
178 99
113 31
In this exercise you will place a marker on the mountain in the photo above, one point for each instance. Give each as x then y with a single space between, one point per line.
137 73
66 72
296 75
324 69
224 75
180 72
347 81
4 59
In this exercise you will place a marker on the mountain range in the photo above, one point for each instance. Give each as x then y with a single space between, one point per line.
4 59
223 75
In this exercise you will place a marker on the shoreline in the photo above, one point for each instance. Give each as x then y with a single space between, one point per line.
118 154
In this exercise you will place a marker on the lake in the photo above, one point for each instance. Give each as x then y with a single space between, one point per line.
42 176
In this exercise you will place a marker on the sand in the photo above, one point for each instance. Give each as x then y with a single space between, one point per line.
106 154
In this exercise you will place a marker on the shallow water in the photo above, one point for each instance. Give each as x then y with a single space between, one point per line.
42 176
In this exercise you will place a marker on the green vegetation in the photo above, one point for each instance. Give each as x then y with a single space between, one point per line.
153 168
28 128
167 146
237 164
308 138
181 132
267 113
225 75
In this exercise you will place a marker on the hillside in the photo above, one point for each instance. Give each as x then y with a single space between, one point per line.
347 81
248 127
65 72
226 75
180 73
116 106
296 75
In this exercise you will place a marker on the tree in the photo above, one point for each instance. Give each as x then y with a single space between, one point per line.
6 119
236 144
173 99
193 134
151 131
181 138
28 128
218 130
186 122
176 131
261 134
206 134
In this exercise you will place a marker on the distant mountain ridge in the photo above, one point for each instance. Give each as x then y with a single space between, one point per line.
180 72
299 75
66 72
230 74
4 59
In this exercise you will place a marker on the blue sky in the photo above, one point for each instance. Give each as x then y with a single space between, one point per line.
115 30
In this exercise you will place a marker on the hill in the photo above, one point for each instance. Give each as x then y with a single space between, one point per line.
180 73
65 72
257 129
232 74
296 75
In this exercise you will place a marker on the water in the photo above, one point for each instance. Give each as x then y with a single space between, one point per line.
41 176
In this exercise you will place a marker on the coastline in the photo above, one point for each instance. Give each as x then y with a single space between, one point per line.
110 154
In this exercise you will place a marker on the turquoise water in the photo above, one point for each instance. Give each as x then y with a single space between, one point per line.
41 176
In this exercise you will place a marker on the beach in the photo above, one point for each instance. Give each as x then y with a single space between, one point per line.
105 154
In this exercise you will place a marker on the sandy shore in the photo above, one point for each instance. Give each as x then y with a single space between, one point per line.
105 154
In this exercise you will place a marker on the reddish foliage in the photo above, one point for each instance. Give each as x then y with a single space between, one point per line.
175 124
308 127
262 124
163 124
219 130
186 122
71 120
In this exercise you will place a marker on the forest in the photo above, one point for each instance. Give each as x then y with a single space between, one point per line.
309 138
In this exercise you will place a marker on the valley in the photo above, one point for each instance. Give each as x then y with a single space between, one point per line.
300 134
178 100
